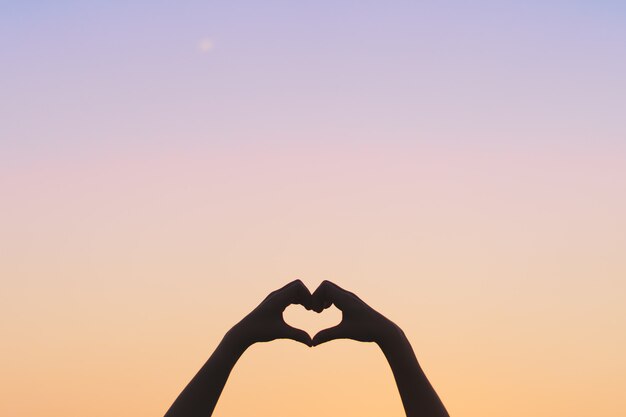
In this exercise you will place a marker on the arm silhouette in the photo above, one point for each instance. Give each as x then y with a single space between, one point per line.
265 323
362 323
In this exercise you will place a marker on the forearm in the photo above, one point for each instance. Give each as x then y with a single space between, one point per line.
418 396
200 396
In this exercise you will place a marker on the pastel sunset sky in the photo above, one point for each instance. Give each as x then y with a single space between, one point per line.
459 165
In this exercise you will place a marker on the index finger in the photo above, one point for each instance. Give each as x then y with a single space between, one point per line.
293 293
329 292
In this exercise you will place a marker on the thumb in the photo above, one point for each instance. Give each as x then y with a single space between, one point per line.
297 335
326 335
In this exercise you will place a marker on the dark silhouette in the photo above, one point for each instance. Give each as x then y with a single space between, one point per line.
265 323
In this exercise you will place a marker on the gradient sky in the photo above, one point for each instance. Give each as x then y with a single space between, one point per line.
459 165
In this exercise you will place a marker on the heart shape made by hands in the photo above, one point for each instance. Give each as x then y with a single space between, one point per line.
310 321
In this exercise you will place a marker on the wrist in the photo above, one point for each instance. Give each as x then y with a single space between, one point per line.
238 338
390 336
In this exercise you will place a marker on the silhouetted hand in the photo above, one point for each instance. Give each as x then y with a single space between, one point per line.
360 321
363 323
265 323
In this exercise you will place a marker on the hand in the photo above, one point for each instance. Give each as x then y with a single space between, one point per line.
360 321
265 323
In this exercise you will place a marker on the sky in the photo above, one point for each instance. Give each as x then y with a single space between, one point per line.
460 166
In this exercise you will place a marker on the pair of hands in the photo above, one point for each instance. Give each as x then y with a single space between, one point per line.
265 323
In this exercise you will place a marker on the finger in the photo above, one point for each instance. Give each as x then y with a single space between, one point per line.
321 298
344 291
329 293
293 293
273 293
297 335
284 287
326 335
